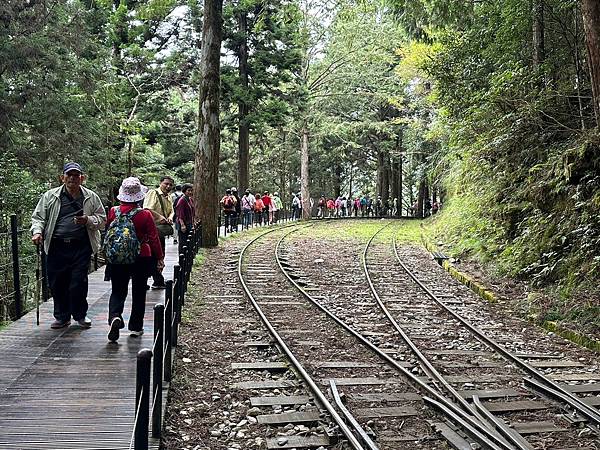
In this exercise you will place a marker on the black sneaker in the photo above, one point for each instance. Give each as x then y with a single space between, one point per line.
115 326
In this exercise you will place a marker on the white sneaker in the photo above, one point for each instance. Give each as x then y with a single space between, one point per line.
136 333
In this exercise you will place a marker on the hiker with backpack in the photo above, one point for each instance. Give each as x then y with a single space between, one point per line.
133 250
321 205
238 209
228 204
363 205
185 212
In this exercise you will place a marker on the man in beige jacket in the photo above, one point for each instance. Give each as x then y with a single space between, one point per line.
68 220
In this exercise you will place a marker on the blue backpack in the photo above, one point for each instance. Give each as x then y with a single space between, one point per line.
121 244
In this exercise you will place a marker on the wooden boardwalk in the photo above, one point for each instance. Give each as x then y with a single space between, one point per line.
71 388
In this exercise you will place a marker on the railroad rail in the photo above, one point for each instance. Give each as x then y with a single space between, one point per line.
446 333
409 385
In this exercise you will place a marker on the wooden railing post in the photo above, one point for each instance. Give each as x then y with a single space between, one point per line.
142 397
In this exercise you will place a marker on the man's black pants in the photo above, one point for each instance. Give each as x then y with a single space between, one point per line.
157 276
68 263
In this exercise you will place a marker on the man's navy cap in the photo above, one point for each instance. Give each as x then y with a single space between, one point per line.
72 166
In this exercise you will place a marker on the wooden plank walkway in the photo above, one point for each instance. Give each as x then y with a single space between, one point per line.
71 388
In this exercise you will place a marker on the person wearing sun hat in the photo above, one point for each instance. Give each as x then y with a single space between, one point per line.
151 256
67 221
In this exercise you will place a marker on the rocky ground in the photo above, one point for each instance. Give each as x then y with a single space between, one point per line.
204 412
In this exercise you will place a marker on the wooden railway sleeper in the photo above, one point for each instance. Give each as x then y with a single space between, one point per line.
485 436
586 410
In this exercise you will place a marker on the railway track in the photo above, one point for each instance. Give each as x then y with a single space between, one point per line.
426 381
334 358
325 359
464 368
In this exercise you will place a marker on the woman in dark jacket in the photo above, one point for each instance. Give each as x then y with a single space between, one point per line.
185 212
131 193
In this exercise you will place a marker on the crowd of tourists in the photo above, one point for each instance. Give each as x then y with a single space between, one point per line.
255 209
365 206
68 221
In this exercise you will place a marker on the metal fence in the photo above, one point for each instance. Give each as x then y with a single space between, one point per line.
22 270
23 280
155 365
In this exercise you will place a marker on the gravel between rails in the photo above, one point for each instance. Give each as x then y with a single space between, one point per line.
206 413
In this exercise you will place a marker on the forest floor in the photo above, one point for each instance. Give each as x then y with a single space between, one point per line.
204 412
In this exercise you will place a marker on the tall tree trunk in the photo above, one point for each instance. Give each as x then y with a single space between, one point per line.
304 176
337 180
283 172
243 126
350 180
539 50
393 178
421 199
590 10
380 170
206 176
400 181
385 187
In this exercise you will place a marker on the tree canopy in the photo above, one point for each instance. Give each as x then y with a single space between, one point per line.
488 107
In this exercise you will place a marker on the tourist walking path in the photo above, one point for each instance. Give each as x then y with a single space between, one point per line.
71 388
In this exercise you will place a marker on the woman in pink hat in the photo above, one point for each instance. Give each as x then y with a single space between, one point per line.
131 193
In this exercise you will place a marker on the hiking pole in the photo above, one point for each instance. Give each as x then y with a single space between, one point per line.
38 282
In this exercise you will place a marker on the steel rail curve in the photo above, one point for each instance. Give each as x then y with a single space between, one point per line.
428 367
297 365
566 396
481 433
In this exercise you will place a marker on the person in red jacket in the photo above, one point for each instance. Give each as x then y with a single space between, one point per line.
268 208
151 256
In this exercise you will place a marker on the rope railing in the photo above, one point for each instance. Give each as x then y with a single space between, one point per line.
138 407
159 360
